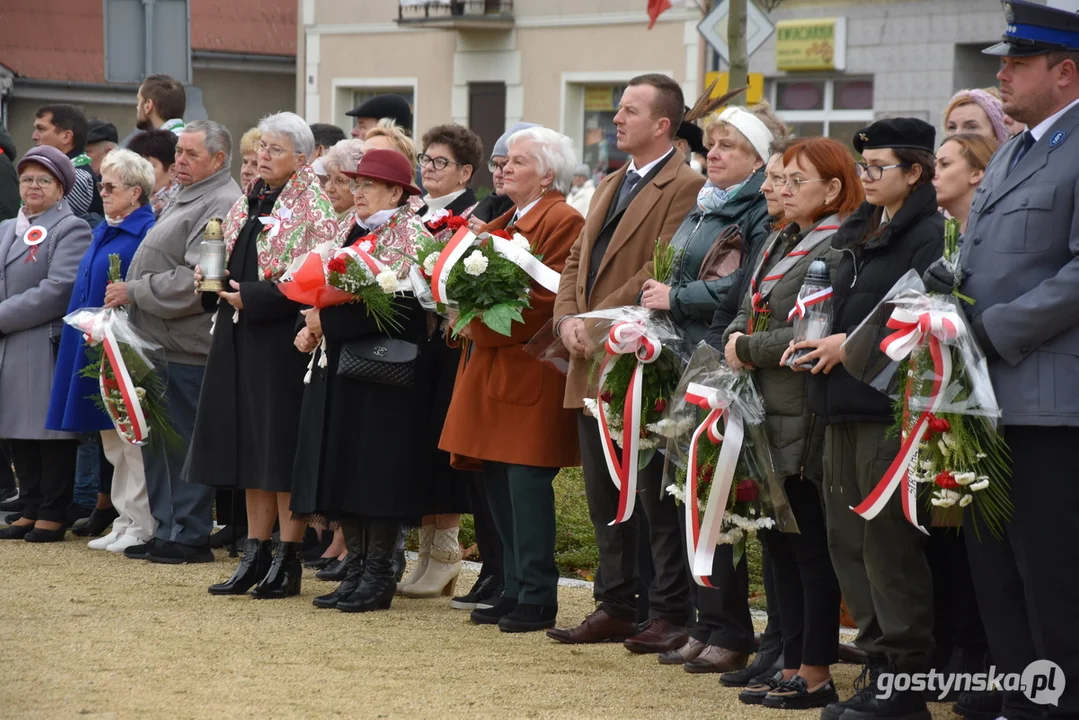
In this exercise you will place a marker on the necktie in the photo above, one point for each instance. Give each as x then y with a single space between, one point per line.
516 217
1023 149
632 178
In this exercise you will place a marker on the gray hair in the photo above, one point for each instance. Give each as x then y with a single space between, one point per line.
293 127
554 152
344 155
218 137
134 171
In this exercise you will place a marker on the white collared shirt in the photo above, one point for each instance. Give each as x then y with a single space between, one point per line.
648 168
521 212
1045 125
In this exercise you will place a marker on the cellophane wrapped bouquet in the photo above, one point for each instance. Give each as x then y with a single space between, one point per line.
719 461
918 348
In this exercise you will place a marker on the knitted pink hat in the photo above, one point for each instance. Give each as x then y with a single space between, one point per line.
993 107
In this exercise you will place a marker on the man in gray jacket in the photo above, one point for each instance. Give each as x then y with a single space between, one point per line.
160 289
1021 262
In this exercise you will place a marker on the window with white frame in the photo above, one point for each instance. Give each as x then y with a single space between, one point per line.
829 107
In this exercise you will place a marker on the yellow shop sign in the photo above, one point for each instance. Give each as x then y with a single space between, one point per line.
819 44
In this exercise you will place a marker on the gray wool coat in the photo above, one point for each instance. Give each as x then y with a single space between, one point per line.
34 296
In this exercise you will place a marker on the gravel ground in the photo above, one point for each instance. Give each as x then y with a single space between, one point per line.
92 635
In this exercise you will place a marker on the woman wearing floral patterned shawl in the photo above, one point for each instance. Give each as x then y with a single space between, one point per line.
360 451
247 421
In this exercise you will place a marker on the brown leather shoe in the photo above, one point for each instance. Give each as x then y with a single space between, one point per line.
849 653
716 659
684 654
659 636
596 628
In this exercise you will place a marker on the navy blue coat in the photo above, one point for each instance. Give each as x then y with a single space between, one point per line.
71 407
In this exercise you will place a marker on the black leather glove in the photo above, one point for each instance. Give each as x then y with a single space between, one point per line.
938 278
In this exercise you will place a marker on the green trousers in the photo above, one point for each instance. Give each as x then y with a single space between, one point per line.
522 506
880 563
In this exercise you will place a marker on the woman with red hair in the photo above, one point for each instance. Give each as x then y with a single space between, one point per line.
819 189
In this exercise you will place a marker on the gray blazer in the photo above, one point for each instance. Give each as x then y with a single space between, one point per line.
34 297
1021 255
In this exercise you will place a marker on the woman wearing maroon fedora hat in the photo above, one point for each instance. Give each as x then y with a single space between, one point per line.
360 455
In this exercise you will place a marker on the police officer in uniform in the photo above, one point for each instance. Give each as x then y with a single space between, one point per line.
1021 264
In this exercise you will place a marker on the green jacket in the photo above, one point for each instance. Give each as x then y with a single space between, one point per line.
695 300
792 429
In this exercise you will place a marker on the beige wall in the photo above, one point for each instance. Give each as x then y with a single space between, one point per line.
234 98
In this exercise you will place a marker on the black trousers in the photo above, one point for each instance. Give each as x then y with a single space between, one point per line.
615 587
1026 582
231 506
957 622
719 615
46 470
772 637
487 540
7 478
105 472
521 498
807 591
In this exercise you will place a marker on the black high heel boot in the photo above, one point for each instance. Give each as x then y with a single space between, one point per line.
377 585
283 578
254 565
354 541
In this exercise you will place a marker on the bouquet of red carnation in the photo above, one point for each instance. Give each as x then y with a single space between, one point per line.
918 348
445 220
487 276
720 462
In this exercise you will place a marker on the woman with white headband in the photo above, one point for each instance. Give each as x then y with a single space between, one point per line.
727 226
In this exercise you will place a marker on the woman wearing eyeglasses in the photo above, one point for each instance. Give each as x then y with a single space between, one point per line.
343 156
450 156
40 251
249 406
497 204
127 182
818 188
880 563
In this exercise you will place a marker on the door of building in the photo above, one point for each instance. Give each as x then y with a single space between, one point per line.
486 118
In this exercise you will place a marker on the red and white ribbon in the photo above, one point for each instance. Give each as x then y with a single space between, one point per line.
625 338
464 239
933 328
136 430
702 534
800 305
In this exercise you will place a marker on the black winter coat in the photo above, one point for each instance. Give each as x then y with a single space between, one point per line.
249 406
491 207
866 271
9 179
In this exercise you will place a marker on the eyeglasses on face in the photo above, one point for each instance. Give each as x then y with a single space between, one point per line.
339 181
794 183
438 163
361 186
275 151
876 172
496 166
107 188
43 181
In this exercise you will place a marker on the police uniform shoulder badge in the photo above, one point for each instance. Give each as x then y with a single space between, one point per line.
1058 137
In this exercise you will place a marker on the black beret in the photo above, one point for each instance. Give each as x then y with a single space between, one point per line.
910 133
385 106
100 131
693 135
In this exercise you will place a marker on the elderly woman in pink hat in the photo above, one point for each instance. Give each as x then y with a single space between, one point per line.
361 462
40 251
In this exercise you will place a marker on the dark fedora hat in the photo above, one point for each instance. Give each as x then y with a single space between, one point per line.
389 166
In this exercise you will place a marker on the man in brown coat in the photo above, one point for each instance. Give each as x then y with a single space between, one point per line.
644 201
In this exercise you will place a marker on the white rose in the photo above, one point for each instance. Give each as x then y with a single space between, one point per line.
387 280
476 263
429 263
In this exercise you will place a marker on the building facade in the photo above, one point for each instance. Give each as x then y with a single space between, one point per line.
829 68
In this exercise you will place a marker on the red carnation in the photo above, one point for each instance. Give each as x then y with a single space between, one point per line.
747 490
606 396
938 425
438 223
947 481
456 222
502 234
337 265
660 405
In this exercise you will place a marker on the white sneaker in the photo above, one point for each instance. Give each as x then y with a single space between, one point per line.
103 543
124 543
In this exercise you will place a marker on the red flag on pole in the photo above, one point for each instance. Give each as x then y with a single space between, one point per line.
655 9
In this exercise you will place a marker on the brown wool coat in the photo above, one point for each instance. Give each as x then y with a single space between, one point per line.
507 406
656 212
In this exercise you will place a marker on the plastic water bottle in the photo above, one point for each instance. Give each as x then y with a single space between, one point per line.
812 316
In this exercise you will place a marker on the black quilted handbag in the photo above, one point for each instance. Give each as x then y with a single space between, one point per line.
387 361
